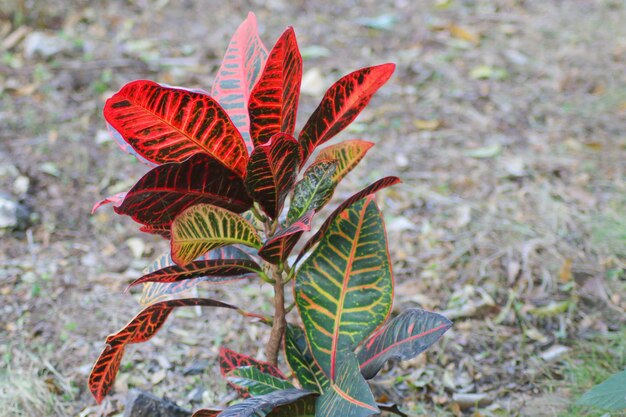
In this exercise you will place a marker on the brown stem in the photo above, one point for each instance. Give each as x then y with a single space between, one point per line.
279 324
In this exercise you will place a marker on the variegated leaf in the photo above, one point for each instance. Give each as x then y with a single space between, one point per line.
241 68
270 405
255 381
274 99
344 289
314 190
370 189
299 358
230 360
272 171
203 227
349 395
166 124
341 104
404 337
347 154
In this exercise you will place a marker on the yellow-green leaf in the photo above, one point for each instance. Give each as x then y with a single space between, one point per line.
347 154
203 227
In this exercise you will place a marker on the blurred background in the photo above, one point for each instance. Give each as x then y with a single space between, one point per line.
506 120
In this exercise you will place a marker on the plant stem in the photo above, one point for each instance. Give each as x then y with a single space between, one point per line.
279 325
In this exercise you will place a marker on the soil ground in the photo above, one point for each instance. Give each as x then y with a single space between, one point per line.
506 120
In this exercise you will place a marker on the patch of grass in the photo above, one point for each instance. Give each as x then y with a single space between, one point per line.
590 363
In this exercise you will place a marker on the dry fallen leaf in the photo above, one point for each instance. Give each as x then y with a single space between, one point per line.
463 33
427 124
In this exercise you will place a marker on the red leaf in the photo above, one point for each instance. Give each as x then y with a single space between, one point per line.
278 248
370 189
166 124
274 99
219 270
240 70
165 191
139 329
341 104
115 199
229 360
272 170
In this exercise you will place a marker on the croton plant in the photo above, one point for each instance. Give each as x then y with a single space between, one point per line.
223 166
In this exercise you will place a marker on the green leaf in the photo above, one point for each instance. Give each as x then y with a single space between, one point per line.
347 154
203 227
255 381
344 289
608 395
349 396
299 358
314 190
403 337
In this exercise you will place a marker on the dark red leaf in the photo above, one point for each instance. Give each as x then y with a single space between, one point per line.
278 248
161 230
370 189
272 171
229 360
205 412
240 70
165 191
220 270
139 329
341 104
166 124
274 99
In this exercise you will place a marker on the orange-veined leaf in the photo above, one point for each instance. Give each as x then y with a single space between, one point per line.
272 171
314 190
341 104
370 189
203 227
349 395
241 68
278 248
347 154
256 382
165 191
301 362
216 270
139 329
403 337
160 291
344 289
167 124
274 99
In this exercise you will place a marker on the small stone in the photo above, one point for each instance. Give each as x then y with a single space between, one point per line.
21 185
554 353
196 395
466 400
45 45
313 83
13 215
143 404
196 367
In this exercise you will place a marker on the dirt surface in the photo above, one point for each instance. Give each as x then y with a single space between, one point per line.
505 119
